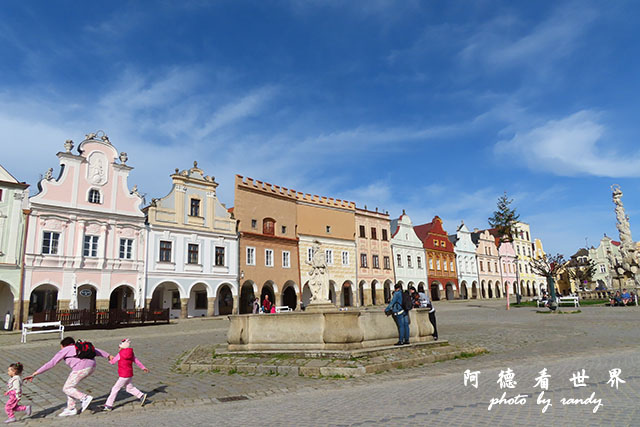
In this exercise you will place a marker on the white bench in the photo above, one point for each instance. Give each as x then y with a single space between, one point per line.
569 300
27 328
282 308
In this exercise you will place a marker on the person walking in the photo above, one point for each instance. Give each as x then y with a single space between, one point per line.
399 315
14 391
80 357
256 305
125 360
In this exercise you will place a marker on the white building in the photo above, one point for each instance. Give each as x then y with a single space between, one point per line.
192 257
409 258
465 251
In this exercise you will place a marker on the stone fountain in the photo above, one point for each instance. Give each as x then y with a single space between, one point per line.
322 327
626 268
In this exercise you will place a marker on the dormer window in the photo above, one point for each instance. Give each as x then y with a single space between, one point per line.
268 226
94 196
195 207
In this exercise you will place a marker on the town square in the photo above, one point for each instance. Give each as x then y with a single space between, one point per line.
319 212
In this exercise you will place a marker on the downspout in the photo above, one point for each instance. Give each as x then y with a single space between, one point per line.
26 213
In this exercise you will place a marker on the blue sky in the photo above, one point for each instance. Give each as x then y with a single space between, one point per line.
434 107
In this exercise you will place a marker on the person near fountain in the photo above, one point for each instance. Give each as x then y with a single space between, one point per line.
626 298
266 304
400 315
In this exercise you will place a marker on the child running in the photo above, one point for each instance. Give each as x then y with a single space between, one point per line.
125 359
14 391
82 365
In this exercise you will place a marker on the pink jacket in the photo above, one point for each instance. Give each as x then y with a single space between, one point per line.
125 359
69 355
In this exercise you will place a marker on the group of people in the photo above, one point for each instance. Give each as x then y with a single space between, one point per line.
266 307
622 298
402 303
80 357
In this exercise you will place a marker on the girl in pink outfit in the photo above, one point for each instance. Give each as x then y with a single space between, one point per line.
125 359
80 369
14 391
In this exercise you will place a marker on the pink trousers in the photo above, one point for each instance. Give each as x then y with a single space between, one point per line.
122 382
13 405
70 389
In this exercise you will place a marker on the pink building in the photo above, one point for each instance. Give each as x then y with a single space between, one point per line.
507 256
86 233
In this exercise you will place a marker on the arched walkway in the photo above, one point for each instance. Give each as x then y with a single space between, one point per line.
267 290
361 293
306 294
489 290
528 289
374 283
482 289
167 295
289 296
535 292
474 290
464 293
497 290
387 291
198 305
449 291
224 300
332 291
435 291
421 287
346 294
87 295
247 295
6 300
43 298
122 298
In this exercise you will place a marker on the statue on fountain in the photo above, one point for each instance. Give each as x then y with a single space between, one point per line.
627 267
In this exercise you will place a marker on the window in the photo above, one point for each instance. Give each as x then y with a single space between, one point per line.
430 264
481 266
375 261
409 261
193 253
435 242
201 300
527 235
165 251
387 263
419 262
520 267
488 266
91 246
175 300
451 266
328 229
309 254
126 248
603 269
0 194
268 226
495 264
254 223
444 265
363 232
385 237
328 256
286 259
251 256
374 234
50 243
363 260
219 261
399 260
518 249
195 207
284 229
438 264
442 243
268 257
345 258
94 196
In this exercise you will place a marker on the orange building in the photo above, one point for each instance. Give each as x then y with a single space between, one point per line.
441 259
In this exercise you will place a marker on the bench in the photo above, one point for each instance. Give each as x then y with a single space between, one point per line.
27 328
569 300
282 308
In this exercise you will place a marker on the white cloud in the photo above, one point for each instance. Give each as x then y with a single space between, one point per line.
573 145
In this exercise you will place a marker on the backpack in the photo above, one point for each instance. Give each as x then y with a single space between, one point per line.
85 350
407 302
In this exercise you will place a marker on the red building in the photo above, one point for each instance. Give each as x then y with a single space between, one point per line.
441 260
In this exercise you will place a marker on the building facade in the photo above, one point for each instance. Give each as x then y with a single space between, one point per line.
373 245
441 260
13 212
192 250
409 256
86 236
606 251
488 264
269 263
330 223
529 283
466 263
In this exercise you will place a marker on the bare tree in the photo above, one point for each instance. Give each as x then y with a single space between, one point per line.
549 267
582 272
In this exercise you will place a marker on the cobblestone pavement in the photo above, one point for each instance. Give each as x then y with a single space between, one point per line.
597 339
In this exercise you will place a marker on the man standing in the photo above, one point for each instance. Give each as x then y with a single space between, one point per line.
400 315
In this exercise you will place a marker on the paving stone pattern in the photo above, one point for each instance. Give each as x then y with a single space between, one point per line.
597 339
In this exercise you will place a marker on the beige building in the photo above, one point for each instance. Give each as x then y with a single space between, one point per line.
269 265
375 266
330 222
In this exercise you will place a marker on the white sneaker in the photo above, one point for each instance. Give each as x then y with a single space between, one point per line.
86 402
28 410
143 399
68 412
